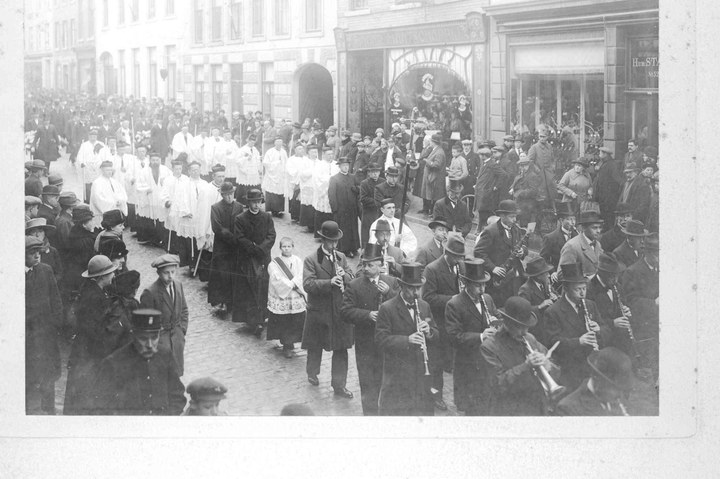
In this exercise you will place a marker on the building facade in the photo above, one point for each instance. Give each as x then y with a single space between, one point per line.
40 43
588 66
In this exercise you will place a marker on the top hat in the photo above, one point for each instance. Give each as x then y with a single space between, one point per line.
99 265
38 165
454 185
330 231
38 223
254 194
507 207
392 171
608 263
475 271
81 215
537 266
564 208
412 274
382 225
127 283
582 161
342 159
206 389
623 209
436 138
455 244
634 228
50 190
589 217
519 310
613 366
372 252
146 320
32 244
572 273
438 221
113 248
226 187
68 198
652 242
112 218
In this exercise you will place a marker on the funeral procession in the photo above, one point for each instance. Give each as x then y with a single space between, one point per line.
341 208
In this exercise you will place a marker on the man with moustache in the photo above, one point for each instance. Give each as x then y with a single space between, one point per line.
614 237
553 243
585 247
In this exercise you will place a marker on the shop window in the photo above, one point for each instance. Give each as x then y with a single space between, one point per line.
643 124
358 4
644 66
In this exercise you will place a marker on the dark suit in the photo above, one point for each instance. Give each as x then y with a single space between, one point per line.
33 186
129 385
222 220
457 217
578 250
625 255
361 298
609 310
494 247
637 194
640 286
405 390
612 238
532 292
582 402
464 325
370 211
552 245
383 190
606 189
174 318
428 253
564 324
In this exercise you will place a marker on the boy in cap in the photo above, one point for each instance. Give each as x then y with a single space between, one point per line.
205 396
32 204
167 296
33 183
141 378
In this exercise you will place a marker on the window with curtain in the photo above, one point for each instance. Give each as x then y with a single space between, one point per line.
198 21
258 18
282 17
136 72
106 13
217 87
121 12
216 25
236 20
313 15
135 10
72 32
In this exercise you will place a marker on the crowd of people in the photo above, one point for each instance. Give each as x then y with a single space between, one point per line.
565 331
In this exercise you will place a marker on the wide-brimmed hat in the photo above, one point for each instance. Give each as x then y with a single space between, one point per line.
372 252
38 165
50 190
373 167
564 208
519 310
634 228
623 209
438 221
226 187
572 273
436 138
581 161
254 195
412 274
613 366
652 242
206 389
113 248
32 243
455 244
81 215
382 225
475 271
99 265
165 260
148 320
507 207
537 266
68 198
330 231
112 218
342 159
38 223
608 262
589 217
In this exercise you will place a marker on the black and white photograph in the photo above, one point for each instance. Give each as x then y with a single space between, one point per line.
443 212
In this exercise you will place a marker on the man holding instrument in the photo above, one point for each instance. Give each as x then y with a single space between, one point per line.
513 356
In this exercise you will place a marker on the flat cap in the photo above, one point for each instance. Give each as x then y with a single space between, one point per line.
32 243
32 201
166 260
207 389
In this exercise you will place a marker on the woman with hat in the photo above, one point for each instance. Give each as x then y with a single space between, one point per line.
80 247
113 223
433 180
405 328
471 319
122 294
514 388
576 184
116 250
89 345
38 228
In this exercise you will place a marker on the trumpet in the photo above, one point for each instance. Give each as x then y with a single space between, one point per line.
587 322
629 330
553 390
423 347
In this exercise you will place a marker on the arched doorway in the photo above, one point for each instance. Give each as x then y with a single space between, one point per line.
314 94
108 72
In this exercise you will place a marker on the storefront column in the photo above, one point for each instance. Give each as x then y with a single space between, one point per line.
614 124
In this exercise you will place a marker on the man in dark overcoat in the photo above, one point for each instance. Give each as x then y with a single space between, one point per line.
326 275
613 237
255 236
343 194
361 302
433 179
222 220
525 189
433 249
442 282
606 185
631 250
404 325
159 139
167 296
47 143
470 319
391 188
370 211
636 191
454 211
538 292
43 319
491 177
33 183
553 242
141 378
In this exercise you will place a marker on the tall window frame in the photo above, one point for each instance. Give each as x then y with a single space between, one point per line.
257 18
281 17
152 72
313 16
235 30
215 20
198 21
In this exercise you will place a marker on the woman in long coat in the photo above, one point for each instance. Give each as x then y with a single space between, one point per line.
80 248
47 142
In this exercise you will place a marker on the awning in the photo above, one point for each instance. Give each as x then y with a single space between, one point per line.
560 58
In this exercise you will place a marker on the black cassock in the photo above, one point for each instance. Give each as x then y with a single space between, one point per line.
222 219
343 196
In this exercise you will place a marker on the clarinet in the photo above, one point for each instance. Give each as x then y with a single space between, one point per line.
587 322
486 313
629 330
423 346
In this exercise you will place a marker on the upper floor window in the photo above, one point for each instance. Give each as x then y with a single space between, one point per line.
282 17
258 18
358 4
236 20
313 15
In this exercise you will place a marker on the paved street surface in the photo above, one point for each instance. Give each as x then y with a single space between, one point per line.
260 380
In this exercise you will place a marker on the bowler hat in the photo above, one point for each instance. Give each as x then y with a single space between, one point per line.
652 242
455 244
226 187
537 266
623 209
614 366
582 161
589 217
454 185
519 310
68 198
99 265
392 171
372 252
634 228
475 271
412 274
112 218
438 221
50 190
81 215
207 389
165 260
146 320
436 138
127 283
38 223
608 262
631 166
564 208
382 225
113 248
330 231
38 165
507 207
572 273
32 243
254 194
